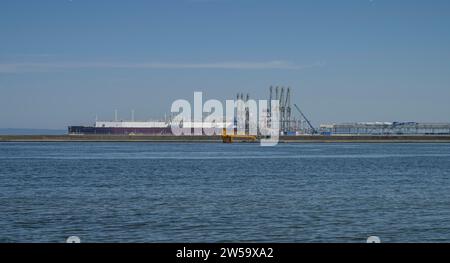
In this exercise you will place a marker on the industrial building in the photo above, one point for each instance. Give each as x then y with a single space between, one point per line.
386 128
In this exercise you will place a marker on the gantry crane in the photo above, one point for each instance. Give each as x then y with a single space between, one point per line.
314 131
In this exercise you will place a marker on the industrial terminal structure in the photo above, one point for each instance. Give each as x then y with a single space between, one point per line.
386 128
291 123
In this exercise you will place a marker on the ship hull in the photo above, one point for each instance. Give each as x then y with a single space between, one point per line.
86 130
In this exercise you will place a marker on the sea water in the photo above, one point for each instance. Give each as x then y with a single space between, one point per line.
213 192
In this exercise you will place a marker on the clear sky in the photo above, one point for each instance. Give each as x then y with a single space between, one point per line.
63 62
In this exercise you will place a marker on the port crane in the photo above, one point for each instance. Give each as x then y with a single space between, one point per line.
314 131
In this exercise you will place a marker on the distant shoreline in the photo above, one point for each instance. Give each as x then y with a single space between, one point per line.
217 139
23 131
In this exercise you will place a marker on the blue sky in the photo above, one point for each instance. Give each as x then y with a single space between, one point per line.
64 62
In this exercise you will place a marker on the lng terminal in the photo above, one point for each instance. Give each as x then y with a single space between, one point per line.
293 124
154 128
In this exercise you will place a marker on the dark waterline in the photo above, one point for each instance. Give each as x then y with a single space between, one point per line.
155 192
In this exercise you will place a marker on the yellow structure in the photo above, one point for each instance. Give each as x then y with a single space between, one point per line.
228 138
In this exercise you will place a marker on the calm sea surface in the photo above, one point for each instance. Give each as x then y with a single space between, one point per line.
175 192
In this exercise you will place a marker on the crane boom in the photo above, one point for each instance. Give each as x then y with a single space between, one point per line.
306 119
